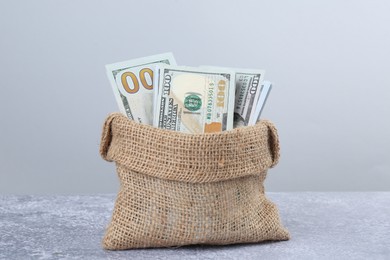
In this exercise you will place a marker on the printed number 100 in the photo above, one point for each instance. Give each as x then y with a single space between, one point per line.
135 81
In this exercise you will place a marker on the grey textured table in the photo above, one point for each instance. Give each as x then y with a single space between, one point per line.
322 226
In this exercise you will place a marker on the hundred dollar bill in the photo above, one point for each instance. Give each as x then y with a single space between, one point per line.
132 83
248 88
193 100
266 87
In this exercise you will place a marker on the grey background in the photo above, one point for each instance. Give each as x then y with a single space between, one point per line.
328 60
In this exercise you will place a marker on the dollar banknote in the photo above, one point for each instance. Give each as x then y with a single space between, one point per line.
248 89
266 87
194 100
132 83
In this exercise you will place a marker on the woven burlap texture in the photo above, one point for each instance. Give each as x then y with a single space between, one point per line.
180 189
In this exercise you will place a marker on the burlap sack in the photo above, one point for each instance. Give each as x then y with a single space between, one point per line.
180 189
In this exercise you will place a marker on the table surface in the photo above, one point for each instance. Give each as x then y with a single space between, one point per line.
326 225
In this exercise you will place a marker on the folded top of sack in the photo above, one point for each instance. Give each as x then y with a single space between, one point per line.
185 157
